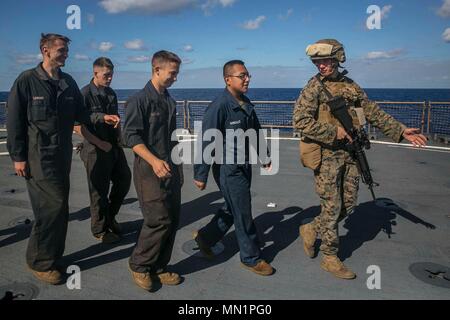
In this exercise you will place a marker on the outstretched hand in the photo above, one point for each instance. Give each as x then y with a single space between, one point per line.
414 136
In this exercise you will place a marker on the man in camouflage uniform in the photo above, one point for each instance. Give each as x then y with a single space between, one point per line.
336 174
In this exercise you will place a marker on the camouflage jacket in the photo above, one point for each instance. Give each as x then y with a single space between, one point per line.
312 97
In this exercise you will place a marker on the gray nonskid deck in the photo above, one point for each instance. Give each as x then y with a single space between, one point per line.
417 181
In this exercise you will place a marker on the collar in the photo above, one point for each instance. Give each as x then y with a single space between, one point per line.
248 106
151 90
94 90
42 74
338 76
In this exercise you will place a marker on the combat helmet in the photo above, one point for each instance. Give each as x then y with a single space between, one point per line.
326 48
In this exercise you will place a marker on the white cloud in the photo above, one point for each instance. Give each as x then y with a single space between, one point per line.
136 44
444 10
373 55
385 11
210 4
139 59
105 46
446 35
146 6
81 57
286 15
90 18
254 24
399 73
226 3
187 60
188 48
28 58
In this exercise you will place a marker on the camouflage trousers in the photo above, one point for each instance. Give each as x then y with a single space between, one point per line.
337 183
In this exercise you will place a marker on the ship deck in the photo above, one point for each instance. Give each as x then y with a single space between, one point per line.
412 227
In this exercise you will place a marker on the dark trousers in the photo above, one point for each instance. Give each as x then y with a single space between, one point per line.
102 168
160 201
49 200
234 183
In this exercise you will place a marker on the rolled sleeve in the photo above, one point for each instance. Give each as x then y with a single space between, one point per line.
381 119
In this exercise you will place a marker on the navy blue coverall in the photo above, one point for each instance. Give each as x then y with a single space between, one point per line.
234 179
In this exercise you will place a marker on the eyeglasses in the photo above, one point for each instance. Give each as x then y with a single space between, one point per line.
325 61
242 76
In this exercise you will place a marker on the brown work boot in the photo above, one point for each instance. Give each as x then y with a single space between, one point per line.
332 264
308 235
142 279
203 247
108 237
262 268
168 278
51 276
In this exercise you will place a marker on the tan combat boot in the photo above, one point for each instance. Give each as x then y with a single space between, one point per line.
167 278
51 276
308 235
262 268
332 264
142 279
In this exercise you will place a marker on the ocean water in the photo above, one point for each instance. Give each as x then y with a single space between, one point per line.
282 114
290 94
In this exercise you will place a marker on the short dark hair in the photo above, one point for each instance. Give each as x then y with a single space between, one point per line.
227 66
164 56
47 39
103 62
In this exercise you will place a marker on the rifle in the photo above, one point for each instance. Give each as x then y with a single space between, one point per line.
339 109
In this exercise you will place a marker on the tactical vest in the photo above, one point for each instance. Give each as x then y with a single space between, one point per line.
324 114
311 152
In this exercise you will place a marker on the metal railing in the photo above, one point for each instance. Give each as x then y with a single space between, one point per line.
412 114
433 118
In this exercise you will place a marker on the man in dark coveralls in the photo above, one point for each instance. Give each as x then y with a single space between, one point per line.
43 104
103 156
150 122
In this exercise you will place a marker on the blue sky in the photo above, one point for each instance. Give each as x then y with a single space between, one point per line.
411 50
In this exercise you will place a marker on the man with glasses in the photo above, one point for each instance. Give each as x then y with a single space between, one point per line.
229 113
103 156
